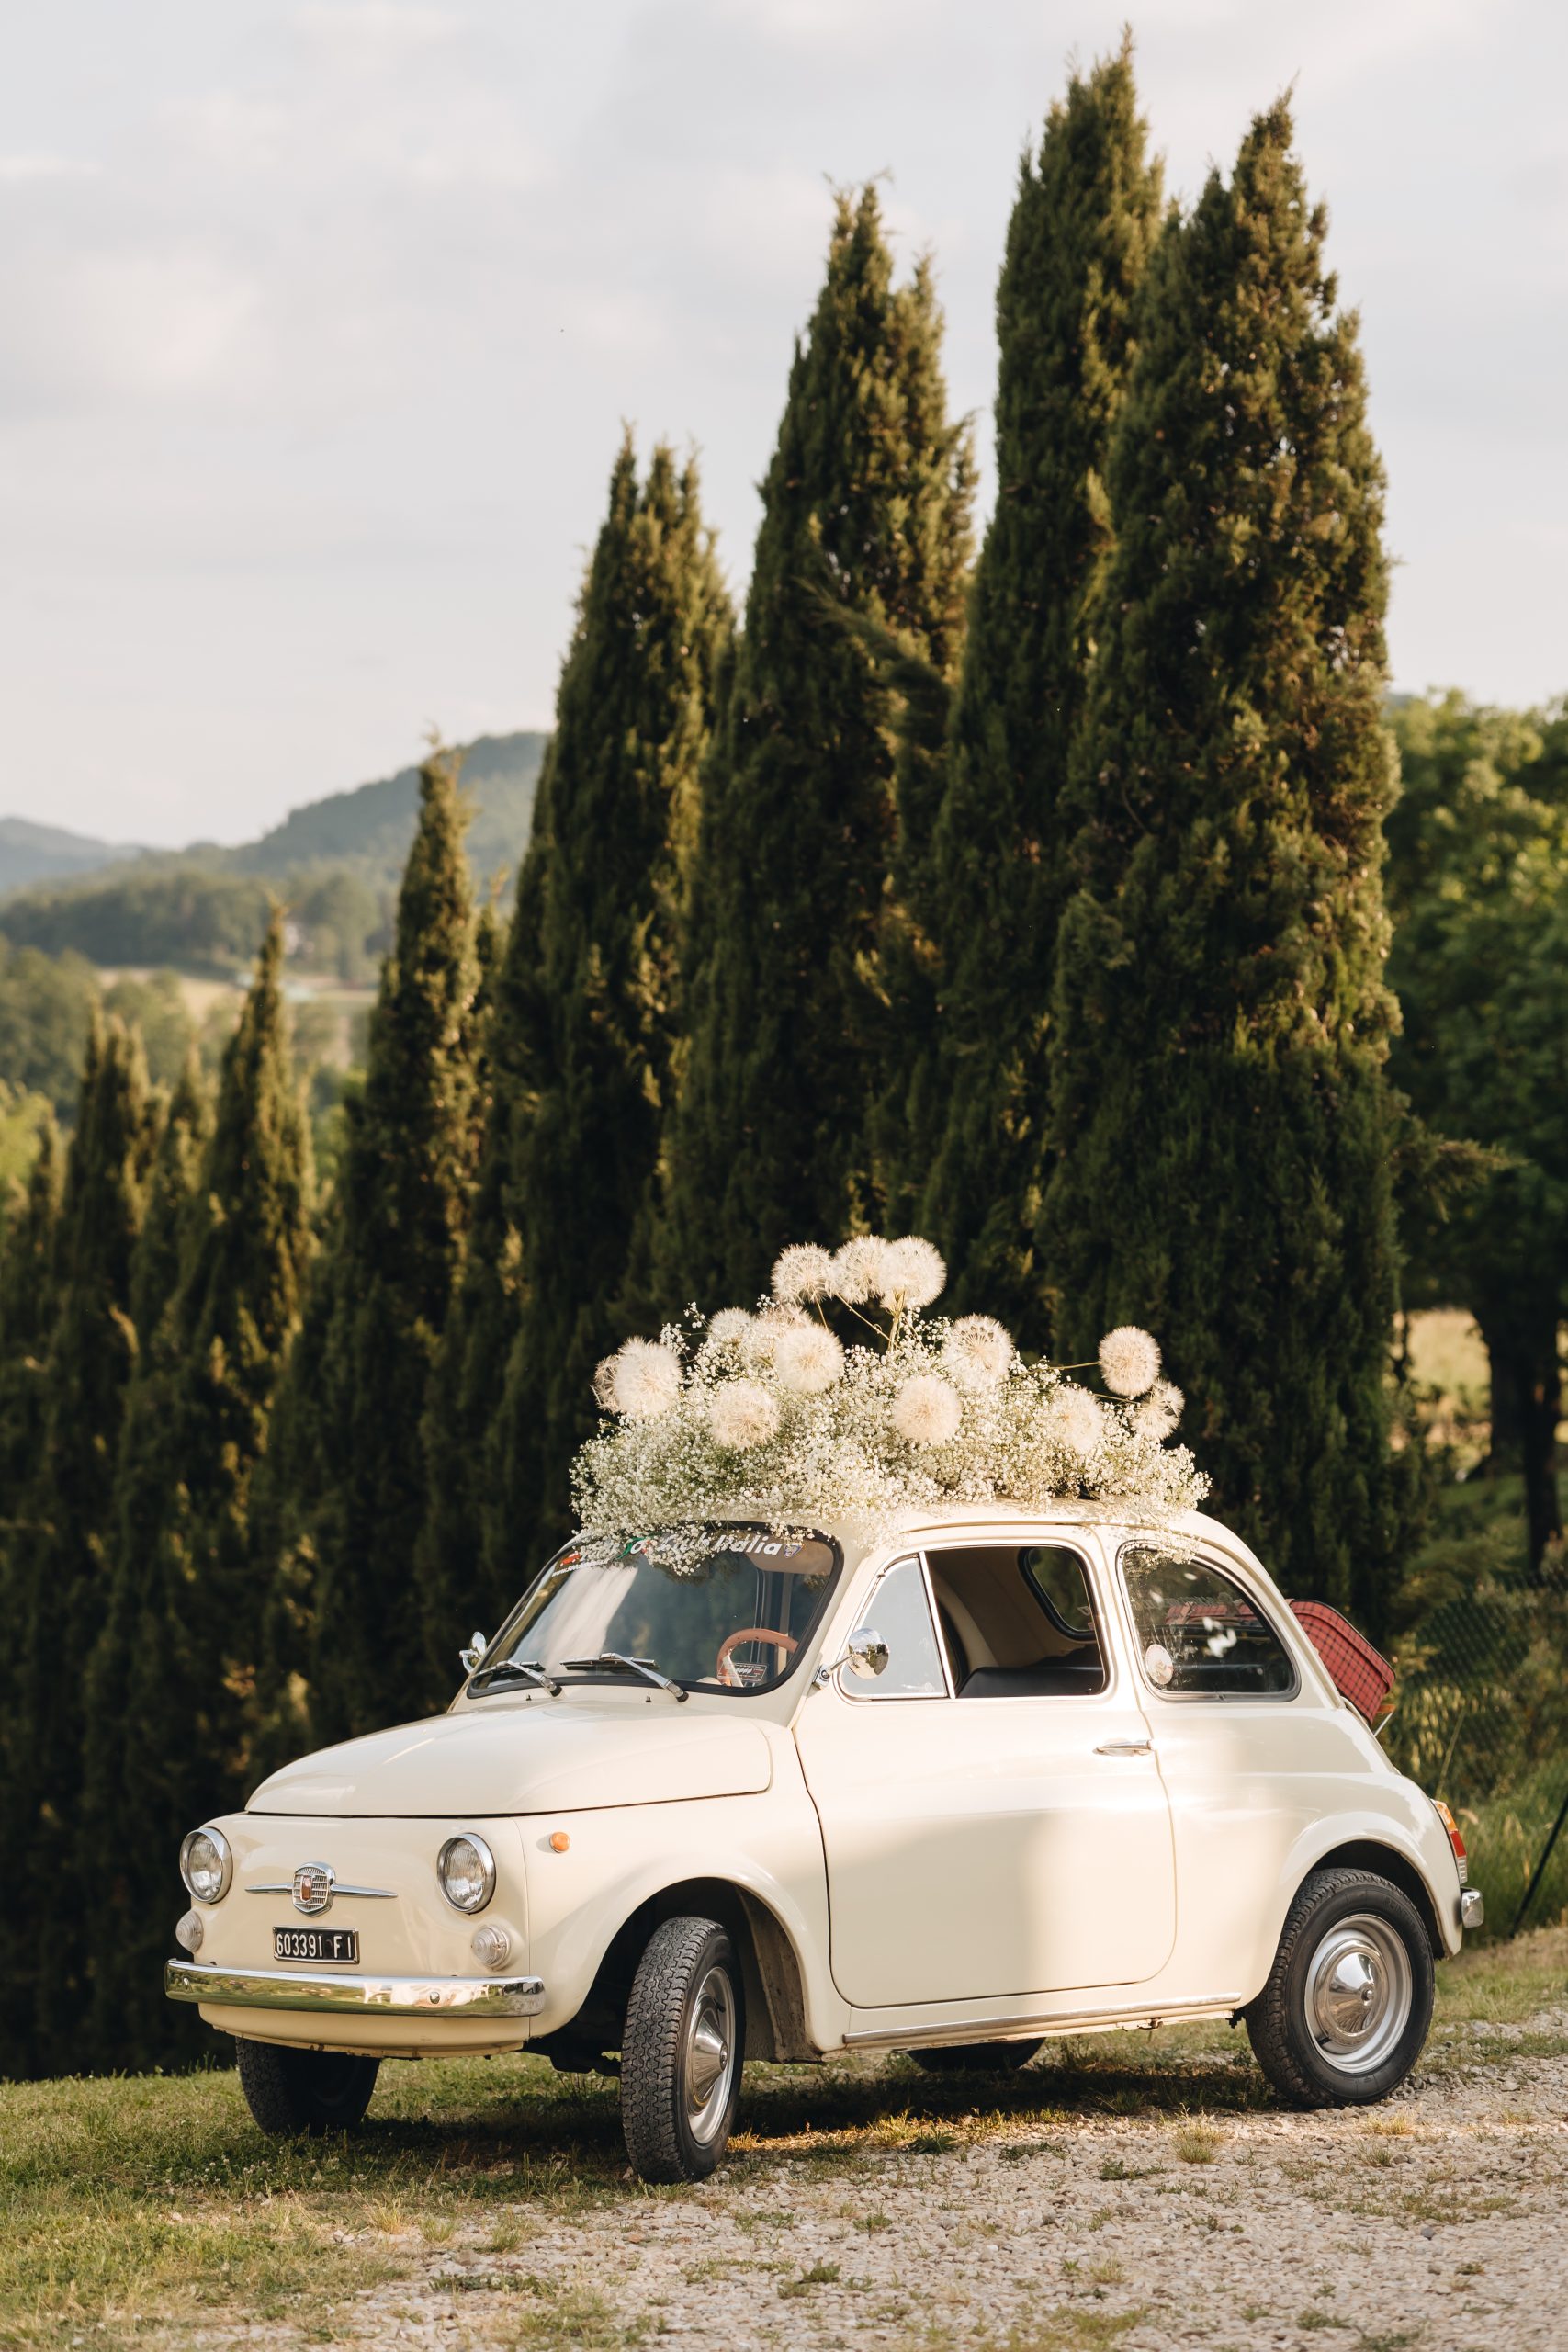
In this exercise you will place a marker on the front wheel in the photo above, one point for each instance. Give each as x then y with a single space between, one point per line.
681 2052
291 2091
1345 2011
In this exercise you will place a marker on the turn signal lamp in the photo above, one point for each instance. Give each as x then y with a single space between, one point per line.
1455 1840
560 1842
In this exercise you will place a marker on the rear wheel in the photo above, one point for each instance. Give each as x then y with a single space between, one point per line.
977 2057
1348 2006
681 2052
291 2091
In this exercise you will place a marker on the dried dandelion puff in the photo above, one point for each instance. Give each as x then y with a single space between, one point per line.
976 1351
926 1410
807 1359
742 1415
640 1381
1156 1415
728 1329
758 1341
1080 1417
1129 1359
913 1272
802 1270
857 1269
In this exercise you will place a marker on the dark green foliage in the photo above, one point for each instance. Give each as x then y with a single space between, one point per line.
1220 1111
59 1558
400 1212
1478 882
595 1024
988 895
865 517
581 1044
201 922
29 1244
183 1621
47 1004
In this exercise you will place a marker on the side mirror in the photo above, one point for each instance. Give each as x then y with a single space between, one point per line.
865 1655
473 1657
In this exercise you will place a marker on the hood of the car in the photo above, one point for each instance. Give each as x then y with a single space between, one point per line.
567 1756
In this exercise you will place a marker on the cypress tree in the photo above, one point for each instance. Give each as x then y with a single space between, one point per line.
400 1208
109 1825
866 519
990 896
63 1569
28 1307
197 1426
593 1015
1220 1117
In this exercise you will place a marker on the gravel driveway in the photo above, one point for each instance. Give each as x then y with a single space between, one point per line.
1037 2216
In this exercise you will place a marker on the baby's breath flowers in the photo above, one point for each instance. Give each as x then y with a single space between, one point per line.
769 1416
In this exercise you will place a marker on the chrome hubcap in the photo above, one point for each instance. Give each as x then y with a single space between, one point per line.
1358 1995
710 2054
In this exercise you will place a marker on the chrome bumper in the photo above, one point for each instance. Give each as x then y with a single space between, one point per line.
1472 1908
379 1997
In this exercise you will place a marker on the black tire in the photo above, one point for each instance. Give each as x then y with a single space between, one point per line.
1348 2006
291 2091
978 2058
682 2052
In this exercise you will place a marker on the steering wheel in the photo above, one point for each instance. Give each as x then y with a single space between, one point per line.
786 1644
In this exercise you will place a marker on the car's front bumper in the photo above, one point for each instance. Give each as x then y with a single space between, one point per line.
368 1996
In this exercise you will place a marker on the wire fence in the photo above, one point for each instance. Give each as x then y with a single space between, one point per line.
1482 1720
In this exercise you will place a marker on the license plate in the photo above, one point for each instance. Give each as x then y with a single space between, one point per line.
315 1943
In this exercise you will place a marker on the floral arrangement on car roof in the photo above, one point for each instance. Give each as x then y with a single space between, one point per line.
769 1415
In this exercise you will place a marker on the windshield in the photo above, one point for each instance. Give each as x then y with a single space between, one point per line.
733 1616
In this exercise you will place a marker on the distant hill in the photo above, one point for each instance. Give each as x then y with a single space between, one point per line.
374 825
30 852
335 861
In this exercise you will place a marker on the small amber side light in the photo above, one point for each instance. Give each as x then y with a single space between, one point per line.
1455 1840
560 1841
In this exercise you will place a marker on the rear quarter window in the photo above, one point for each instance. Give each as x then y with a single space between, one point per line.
1199 1635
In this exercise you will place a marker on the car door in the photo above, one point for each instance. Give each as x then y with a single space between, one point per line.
1006 1845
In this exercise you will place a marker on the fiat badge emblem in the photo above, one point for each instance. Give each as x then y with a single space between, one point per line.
313 1887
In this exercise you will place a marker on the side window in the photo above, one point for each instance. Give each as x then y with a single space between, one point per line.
1017 1622
899 1610
1198 1635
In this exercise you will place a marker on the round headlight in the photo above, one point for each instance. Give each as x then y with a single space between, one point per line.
465 1868
207 1865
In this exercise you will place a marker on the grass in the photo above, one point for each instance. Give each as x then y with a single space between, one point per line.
149 2210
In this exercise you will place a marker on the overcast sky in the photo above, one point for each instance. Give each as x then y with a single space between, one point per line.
318 324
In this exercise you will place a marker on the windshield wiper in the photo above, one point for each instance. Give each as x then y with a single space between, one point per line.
633 1665
527 1670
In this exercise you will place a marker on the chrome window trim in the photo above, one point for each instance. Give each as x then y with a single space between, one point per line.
383 1996
1232 1574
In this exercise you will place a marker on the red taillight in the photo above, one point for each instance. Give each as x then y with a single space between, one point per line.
1455 1840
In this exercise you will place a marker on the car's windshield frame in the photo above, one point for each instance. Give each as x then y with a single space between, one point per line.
496 1654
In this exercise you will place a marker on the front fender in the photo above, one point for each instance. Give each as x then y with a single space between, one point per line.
620 1859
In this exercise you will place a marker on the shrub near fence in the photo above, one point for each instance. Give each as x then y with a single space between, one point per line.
1482 1720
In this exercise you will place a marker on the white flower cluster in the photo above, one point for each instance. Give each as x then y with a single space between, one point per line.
768 1416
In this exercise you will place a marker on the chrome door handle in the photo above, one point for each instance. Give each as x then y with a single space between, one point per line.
1125 1748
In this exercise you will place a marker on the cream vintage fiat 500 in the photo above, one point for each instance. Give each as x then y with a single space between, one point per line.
983 1774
